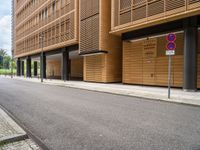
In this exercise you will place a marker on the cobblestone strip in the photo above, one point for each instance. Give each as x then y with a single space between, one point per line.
21 145
8 128
12 136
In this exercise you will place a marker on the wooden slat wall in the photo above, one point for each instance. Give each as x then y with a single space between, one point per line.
60 28
89 25
132 62
94 68
152 70
134 14
105 67
110 43
198 69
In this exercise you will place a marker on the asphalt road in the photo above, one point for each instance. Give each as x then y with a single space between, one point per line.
66 118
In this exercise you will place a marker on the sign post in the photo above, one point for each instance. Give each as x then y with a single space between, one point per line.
171 46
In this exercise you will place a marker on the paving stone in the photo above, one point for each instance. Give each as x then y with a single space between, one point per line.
8 127
21 145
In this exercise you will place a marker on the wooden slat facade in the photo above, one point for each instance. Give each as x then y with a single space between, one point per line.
89 25
94 24
104 67
144 62
57 20
128 15
198 69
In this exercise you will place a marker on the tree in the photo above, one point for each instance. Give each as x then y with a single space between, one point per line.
7 61
3 53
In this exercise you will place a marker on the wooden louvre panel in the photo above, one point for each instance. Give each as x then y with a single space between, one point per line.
58 33
132 62
193 1
146 63
125 17
155 7
125 11
88 8
138 2
89 36
71 28
174 4
89 25
124 4
93 70
193 4
139 12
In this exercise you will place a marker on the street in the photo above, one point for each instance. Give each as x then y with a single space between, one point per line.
73 119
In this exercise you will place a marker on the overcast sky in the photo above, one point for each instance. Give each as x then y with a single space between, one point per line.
5 25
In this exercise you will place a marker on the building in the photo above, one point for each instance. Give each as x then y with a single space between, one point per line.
108 40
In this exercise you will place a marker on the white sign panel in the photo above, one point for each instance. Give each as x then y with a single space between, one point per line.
170 52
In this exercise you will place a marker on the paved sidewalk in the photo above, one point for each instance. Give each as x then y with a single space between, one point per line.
13 137
156 93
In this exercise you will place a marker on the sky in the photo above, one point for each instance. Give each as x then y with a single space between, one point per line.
5 25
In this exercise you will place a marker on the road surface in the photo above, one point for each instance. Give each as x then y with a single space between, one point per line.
73 119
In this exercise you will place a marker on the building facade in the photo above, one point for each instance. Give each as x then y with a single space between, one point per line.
108 40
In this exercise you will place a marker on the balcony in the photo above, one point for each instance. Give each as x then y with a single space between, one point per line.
134 14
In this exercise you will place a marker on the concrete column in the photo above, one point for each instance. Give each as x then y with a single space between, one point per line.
190 55
18 67
35 68
28 67
65 64
43 65
22 68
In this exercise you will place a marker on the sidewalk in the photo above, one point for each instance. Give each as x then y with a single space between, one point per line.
156 93
13 137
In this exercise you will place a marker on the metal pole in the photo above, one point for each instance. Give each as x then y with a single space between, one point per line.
169 76
3 66
12 65
42 55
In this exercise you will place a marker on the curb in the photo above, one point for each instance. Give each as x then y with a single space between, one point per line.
128 93
13 138
29 134
175 101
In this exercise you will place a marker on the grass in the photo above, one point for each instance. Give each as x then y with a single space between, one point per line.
7 71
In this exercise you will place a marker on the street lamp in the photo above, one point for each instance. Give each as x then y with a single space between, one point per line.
12 65
42 56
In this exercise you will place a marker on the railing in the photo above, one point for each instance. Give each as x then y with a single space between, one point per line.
137 11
